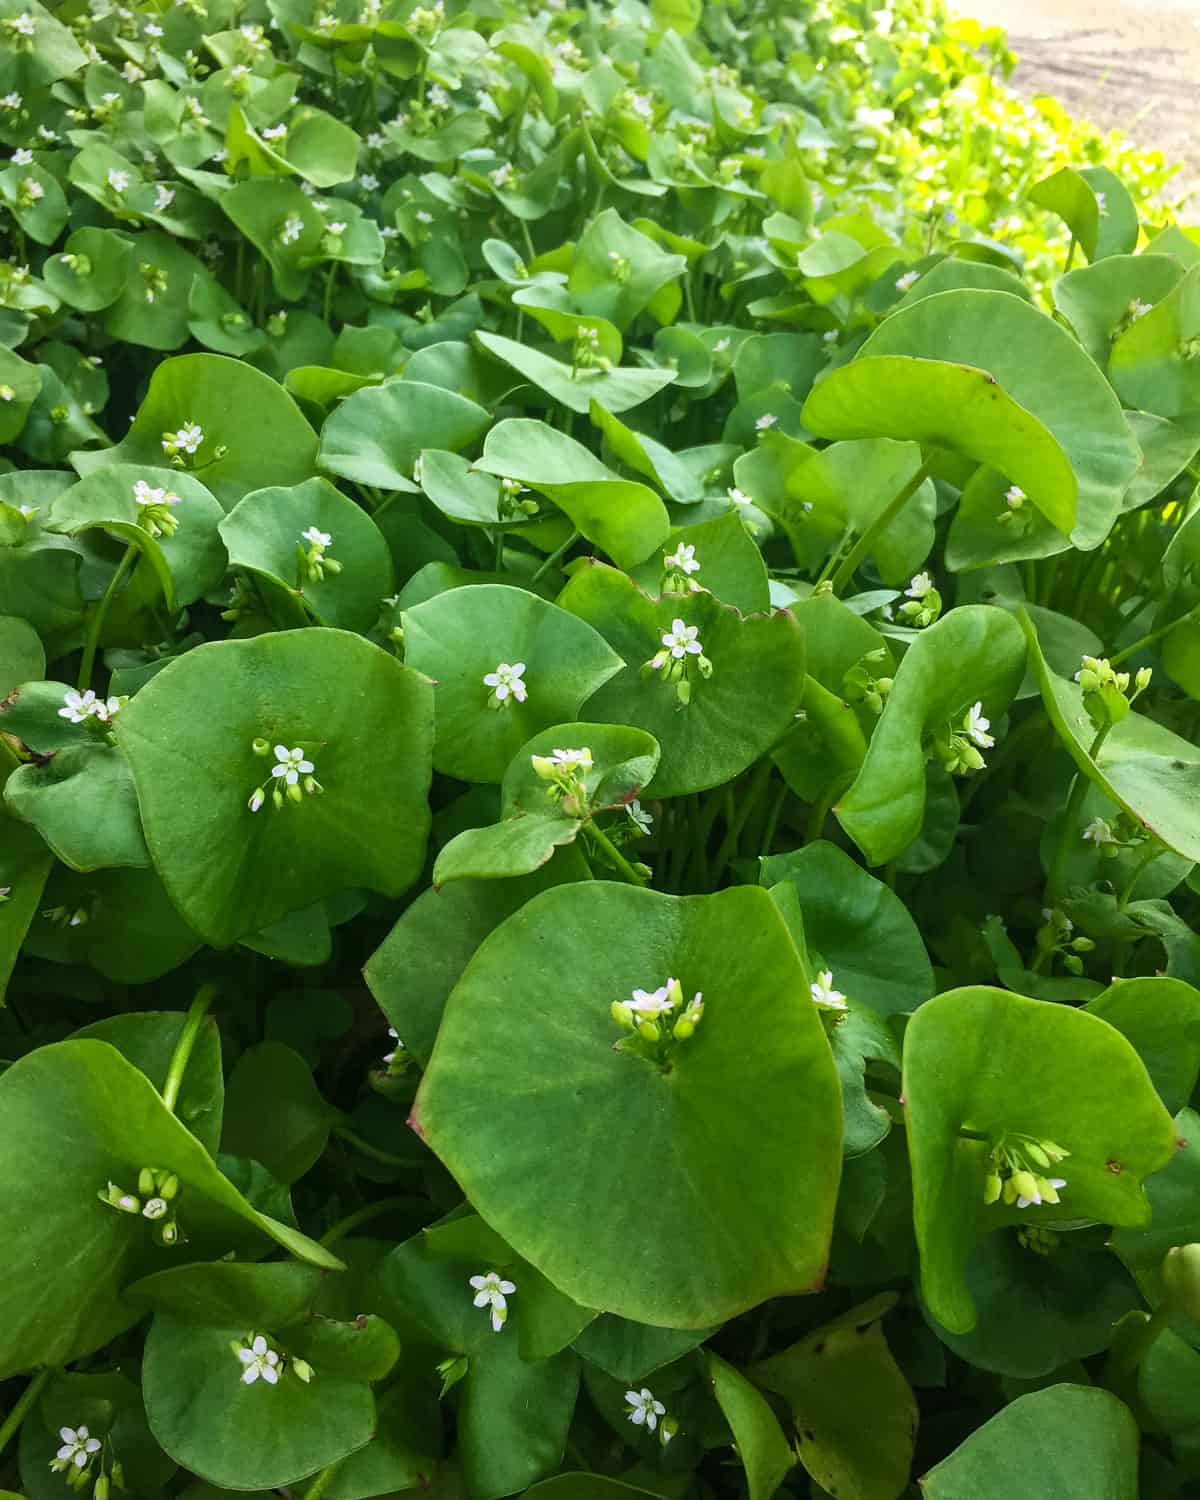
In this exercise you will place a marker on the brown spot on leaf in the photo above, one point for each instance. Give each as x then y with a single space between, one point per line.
1114 1166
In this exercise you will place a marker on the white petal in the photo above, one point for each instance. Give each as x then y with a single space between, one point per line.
483 1298
638 1417
245 1356
270 1374
259 1345
93 1445
509 1287
67 1434
475 1281
250 1374
281 752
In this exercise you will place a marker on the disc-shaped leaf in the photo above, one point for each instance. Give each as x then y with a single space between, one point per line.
265 532
1161 1018
1096 299
239 1436
675 1197
617 389
361 719
1146 364
857 927
1094 205
91 271
376 435
1145 768
991 376
82 802
623 517
462 636
987 1061
974 654
1066 1442
726 559
732 717
253 432
77 1115
274 1112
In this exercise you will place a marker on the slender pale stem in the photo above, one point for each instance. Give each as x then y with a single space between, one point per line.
1151 852
365 1148
549 562
1154 635
361 1216
96 618
882 521
1078 791
194 1019
319 1485
12 1423
615 855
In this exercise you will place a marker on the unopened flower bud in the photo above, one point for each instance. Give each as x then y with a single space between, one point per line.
146 1182
621 1013
648 1030
155 1208
991 1187
1142 680
303 1369
101 1490
168 1186
1181 1279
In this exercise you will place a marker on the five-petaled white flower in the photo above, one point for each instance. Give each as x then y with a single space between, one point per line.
259 1361
491 1290
502 176
652 1002
368 182
681 640
1138 309
642 820
291 764
78 1448
293 227
187 439
976 727
919 586
909 279
823 992
567 760
118 179
274 132
22 157
1099 831
683 558
32 189
1040 1195
145 494
505 680
1015 497
739 497
399 1047
644 1410
317 538
80 706
23 25
164 196
768 419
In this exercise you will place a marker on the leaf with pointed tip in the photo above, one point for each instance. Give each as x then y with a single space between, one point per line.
376 435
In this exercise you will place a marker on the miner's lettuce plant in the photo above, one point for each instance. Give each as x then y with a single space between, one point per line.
599 675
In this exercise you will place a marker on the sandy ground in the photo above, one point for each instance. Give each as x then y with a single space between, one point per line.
1131 64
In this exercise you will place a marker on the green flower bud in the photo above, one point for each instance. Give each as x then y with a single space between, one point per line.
992 1185
1142 680
303 1369
1073 964
260 746
1036 1154
621 1014
168 1186
648 1031
101 1490
1026 1184
1181 1279
683 1029
146 1182
155 1208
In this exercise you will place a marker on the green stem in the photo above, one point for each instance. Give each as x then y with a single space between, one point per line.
330 283
614 854
198 1009
549 562
1078 791
1070 255
1155 635
359 1217
20 1411
1152 851
319 1485
499 559
365 1148
96 618
1124 1359
832 560
733 833
773 816
881 522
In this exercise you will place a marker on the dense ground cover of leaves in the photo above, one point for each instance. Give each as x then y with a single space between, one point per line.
599 675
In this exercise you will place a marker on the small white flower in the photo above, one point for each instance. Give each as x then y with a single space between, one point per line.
259 1361
375 141
164 196
1138 309
274 132
739 497
571 760
336 228
909 279
823 992
133 73
290 765
681 640
22 157
506 679
293 227
399 1047
152 30
438 97
976 727
239 71
11 101
1101 204
32 189
652 1002
186 440
720 346
502 176
24 25
79 706
1055 1184
424 216
491 1291
642 106
683 558
644 1410
78 1448
920 585
1099 831
1015 497
642 820
767 420
368 182
118 179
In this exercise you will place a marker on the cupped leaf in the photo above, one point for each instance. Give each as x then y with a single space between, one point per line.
829 1379
376 435
361 719
252 432
274 1112
1145 768
1161 1018
733 716
1150 365
716 1209
1095 206
617 389
464 635
83 804
266 533
857 927
75 1116
974 654
1099 300
765 1452
92 269
623 517
1066 1442
724 559
989 375
241 1436
268 1296
979 1062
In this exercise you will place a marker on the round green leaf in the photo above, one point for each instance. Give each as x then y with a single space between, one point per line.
733 717
617 390
730 565
264 532
363 720
678 1198
376 435
274 1112
22 657
987 1061
1161 1018
460 637
81 800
